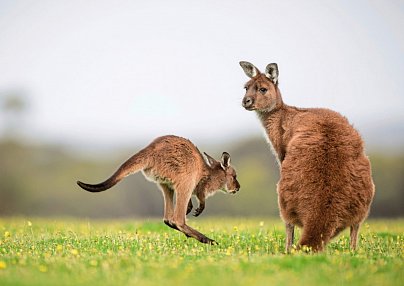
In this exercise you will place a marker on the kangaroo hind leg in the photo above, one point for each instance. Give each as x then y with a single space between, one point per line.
290 232
354 236
183 195
168 194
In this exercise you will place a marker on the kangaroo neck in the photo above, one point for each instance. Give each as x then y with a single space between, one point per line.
276 124
206 182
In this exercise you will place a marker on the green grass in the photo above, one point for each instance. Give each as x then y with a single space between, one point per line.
146 252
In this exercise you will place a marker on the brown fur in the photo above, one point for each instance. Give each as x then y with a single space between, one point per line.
326 183
176 165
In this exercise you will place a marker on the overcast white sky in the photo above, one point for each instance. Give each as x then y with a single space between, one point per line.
123 72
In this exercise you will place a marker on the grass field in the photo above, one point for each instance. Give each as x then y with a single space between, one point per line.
146 252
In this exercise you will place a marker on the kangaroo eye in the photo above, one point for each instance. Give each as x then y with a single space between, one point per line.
246 87
263 90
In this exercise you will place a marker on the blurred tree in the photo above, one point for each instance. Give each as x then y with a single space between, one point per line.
41 181
388 177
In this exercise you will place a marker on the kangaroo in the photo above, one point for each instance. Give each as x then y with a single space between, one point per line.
325 181
176 165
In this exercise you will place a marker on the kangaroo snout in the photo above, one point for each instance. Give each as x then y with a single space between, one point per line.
248 102
236 188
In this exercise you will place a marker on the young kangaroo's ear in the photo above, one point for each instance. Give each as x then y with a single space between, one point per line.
249 69
211 161
272 72
225 161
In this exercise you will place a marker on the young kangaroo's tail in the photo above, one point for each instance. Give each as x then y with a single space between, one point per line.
131 166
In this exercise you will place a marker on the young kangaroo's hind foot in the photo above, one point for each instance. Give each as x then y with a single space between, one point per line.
187 230
173 226
190 232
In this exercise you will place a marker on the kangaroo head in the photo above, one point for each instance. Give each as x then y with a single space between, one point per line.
223 176
262 93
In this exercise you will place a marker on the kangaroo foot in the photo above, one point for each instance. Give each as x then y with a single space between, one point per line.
207 240
167 222
174 226
190 232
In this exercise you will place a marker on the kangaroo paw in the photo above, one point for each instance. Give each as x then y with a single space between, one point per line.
190 206
198 211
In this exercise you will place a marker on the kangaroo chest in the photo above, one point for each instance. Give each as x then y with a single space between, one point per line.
274 135
278 130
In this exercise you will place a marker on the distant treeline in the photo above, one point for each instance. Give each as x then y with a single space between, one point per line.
41 181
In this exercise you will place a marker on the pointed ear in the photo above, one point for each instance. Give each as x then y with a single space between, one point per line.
272 72
211 161
249 69
225 161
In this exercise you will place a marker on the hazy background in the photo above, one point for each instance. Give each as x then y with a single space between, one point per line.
85 84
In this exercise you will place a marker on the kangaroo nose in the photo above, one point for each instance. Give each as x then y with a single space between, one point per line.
247 102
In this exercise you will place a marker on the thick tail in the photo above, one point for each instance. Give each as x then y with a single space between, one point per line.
131 166
316 236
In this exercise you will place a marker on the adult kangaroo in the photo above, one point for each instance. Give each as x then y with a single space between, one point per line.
325 181
176 165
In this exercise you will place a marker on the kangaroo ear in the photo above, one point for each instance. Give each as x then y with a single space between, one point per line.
249 69
272 72
211 161
225 161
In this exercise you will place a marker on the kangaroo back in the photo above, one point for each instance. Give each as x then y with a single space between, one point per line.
131 166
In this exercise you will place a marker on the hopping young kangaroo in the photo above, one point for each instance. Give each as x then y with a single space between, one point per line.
176 165
325 177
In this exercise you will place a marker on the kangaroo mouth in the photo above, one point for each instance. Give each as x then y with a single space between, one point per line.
249 108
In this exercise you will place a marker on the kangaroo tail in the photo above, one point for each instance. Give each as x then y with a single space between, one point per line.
131 166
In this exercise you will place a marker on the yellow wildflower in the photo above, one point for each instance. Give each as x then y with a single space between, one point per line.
3 265
43 268
93 262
